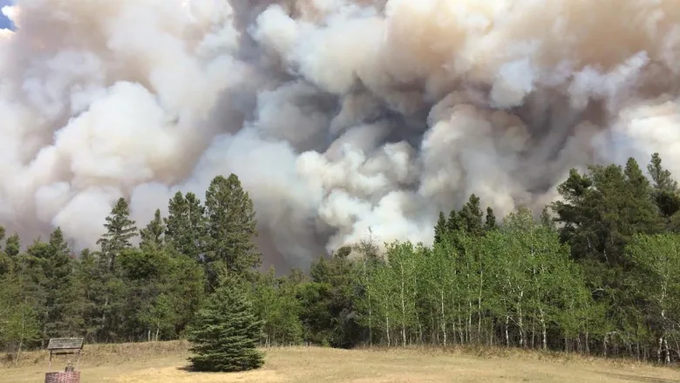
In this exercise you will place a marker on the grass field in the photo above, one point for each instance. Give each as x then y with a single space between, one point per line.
165 362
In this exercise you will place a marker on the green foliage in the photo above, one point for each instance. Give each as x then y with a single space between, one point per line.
119 230
328 312
602 210
597 272
440 228
13 246
471 217
657 283
490 223
152 235
231 227
90 298
454 222
225 332
274 301
185 226
665 193
21 305
61 318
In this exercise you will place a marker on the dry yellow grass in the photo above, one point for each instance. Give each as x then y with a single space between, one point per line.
165 362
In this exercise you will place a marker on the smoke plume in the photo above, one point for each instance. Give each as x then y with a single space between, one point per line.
339 116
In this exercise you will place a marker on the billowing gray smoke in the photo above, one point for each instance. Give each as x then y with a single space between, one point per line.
338 115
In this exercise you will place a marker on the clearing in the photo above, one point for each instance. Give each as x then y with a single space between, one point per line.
164 362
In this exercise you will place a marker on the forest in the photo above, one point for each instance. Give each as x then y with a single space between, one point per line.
596 272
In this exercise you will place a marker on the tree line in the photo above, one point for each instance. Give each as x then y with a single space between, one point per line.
596 272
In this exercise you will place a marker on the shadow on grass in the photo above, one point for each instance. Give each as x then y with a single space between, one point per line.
189 368
638 378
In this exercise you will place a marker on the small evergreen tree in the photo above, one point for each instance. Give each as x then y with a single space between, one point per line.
225 333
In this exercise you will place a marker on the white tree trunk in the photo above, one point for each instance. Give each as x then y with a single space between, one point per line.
544 331
443 317
507 333
469 324
370 327
479 306
403 308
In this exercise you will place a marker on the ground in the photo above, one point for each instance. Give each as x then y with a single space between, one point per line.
166 361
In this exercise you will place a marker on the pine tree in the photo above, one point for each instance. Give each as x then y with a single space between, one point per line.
87 279
5 260
453 223
643 213
490 223
22 303
119 230
58 285
231 228
188 295
185 227
152 235
440 229
13 246
546 218
665 188
225 332
661 177
471 217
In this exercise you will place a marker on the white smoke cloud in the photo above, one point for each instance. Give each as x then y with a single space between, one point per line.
339 116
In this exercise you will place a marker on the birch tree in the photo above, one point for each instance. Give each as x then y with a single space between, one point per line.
658 258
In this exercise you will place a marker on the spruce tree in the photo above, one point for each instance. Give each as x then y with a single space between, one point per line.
152 235
642 212
665 191
5 260
13 246
89 282
58 284
185 227
454 223
546 219
231 228
490 223
661 177
440 229
225 332
119 230
471 217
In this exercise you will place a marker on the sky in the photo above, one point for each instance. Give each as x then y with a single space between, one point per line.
4 22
